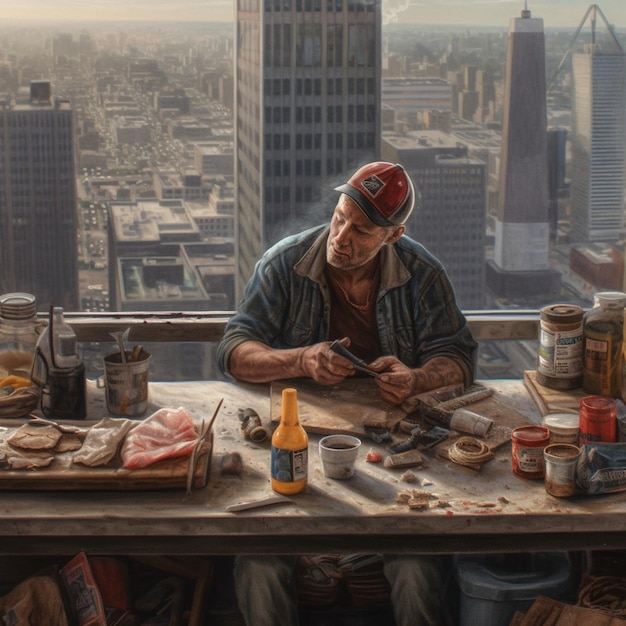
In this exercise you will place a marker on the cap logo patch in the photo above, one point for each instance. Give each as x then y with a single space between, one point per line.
372 185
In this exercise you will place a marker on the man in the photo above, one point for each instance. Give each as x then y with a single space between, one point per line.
363 281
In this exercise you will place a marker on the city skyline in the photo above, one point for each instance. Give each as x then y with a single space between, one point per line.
490 13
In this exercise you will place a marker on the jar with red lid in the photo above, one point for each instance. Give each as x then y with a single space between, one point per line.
598 420
528 443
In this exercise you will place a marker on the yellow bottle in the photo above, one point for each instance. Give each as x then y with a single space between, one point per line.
290 449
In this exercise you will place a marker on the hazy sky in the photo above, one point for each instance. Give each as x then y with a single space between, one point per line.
488 12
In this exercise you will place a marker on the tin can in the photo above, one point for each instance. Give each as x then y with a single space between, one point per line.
598 420
528 443
560 360
560 461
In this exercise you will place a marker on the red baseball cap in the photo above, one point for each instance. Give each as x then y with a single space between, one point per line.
383 191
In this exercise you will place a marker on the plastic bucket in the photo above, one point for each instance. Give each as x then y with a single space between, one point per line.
126 384
493 587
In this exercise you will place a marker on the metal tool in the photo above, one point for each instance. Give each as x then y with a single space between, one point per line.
121 337
359 364
205 430
421 440
256 504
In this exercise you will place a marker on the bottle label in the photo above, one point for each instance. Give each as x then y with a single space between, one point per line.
600 365
289 466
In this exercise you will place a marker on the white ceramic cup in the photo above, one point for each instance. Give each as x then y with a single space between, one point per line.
338 454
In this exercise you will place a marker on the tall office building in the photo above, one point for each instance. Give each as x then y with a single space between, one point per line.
598 143
38 216
520 267
450 218
307 113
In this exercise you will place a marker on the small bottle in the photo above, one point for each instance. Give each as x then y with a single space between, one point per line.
290 449
603 331
18 333
59 371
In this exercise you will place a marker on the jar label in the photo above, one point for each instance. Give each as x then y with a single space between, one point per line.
289 466
530 459
560 352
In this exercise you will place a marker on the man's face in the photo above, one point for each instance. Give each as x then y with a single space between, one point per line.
353 239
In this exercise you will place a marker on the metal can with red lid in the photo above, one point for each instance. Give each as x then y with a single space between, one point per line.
528 443
598 420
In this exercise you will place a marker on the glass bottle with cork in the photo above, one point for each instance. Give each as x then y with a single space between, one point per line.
603 331
290 449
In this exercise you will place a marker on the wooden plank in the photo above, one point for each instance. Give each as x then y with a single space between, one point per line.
552 400
344 408
341 408
505 419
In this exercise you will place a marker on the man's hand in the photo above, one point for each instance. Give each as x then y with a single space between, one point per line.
324 365
398 382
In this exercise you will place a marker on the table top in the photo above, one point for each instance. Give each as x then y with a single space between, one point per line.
489 510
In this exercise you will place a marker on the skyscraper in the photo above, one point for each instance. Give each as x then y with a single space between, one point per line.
38 216
520 267
598 143
450 219
307 113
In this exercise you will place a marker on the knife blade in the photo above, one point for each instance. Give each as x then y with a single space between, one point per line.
256 504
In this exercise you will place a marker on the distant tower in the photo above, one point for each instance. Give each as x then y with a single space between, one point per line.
520 268
597 138
38 214
307 113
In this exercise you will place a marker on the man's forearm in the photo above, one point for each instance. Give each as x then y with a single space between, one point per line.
254 362
438 372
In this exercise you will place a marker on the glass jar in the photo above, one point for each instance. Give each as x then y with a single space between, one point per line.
18 333
603 331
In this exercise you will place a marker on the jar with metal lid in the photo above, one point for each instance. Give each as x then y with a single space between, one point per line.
603 331
18 333
528 443
598 420
559 364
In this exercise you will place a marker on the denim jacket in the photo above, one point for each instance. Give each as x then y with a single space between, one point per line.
286 303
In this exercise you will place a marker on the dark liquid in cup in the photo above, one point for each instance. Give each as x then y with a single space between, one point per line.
339 446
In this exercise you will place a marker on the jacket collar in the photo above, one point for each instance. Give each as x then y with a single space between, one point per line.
312 264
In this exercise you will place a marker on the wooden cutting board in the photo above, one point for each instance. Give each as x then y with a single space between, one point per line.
64 475
339 408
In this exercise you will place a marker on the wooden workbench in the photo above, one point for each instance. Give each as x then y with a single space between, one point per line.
489 510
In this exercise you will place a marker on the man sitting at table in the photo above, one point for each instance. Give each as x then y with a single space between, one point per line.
363 281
